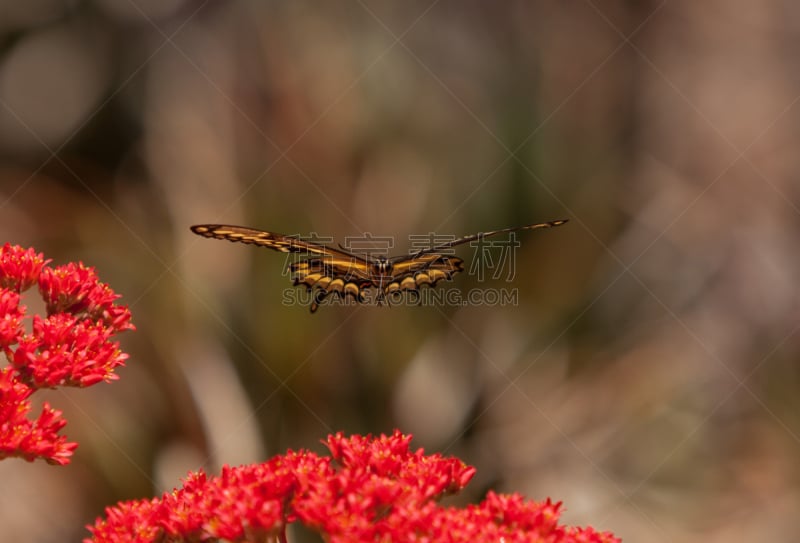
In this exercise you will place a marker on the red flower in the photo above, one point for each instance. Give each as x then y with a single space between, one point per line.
22 437
376 478
131 522
11 314
71 346
19 268
66 351
378 491
76 289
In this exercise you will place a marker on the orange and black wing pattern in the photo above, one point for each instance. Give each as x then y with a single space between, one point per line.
330 271
340 276
411 273
427 267
271 240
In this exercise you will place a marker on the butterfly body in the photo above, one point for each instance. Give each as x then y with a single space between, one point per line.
336 271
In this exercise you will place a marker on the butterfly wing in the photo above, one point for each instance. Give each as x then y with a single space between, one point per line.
332 275
428 266
411 273
330 271
481 235
271 240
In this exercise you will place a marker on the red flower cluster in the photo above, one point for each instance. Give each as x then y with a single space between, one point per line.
70 346
22 437
368 490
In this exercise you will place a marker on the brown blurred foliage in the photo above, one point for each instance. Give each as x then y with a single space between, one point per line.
648 376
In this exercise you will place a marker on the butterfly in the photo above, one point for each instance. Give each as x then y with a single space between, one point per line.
330 270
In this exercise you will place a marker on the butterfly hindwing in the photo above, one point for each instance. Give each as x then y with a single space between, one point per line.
411 273
330 275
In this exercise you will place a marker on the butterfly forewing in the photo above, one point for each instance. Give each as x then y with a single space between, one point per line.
482 235
271 240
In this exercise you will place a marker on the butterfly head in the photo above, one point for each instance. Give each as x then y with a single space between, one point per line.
383 266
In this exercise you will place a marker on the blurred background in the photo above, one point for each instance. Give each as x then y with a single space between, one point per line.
647 376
